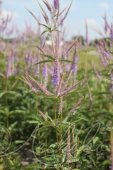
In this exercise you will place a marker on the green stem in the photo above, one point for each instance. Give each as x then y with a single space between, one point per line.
45 137
38 124
55 109
68 137
7 114
86 63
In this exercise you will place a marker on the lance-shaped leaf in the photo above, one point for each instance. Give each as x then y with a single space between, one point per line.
44 61
66 61
48 56
44 32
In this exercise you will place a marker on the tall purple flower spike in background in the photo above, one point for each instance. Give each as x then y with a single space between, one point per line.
106 27
44 71
74 65
0 2
111 33
87 38
42 41
9 71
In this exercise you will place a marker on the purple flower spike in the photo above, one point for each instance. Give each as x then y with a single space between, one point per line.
111 86
44 72
107 54
42 41
37 70
9 71
0 2
74 65
106 27
56 77
111 33
64 54
59 40
56 4
87 38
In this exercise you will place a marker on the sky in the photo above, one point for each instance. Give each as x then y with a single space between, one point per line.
92 11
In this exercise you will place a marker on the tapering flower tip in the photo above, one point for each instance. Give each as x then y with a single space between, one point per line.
0 2
44 71
74 65
45 17
111 33
42 114
42 41
47 5
87 38
56 4
106 27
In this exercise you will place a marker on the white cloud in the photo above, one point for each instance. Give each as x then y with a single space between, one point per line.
9 13
91 22
104 5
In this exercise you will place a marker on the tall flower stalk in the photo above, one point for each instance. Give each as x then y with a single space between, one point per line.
60 87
